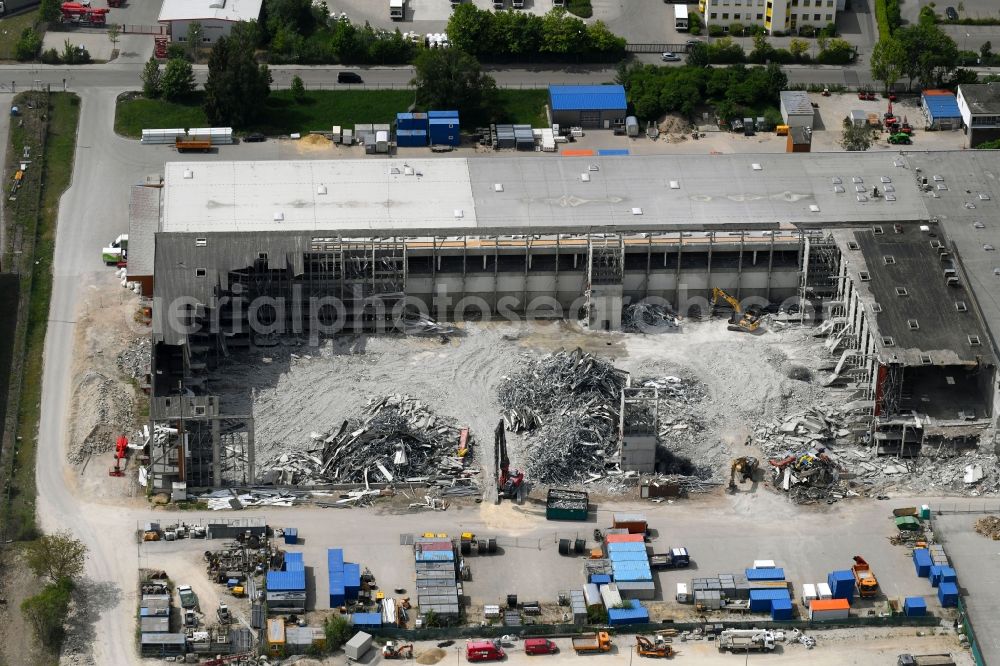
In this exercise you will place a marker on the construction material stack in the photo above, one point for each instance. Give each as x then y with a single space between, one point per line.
437 584
630 565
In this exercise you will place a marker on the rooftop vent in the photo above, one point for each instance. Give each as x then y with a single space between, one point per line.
983 196
961 306
279 216
188 174
865 276
974 340
988 247
813 208
913 324
853 245
675 185
925 359
585 177
877 230
836 180
901 291
498 187
839 189
857 179
942 186
859 188
885 179
889 188
978 225
887 341
889 260
216 4
321 189
876 308
756 167
459 212
637 211
200 272
593 167
890 196
862 198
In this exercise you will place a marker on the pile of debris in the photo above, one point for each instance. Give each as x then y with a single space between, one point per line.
682 427
568 404
649 318
134 361
396 439
989 527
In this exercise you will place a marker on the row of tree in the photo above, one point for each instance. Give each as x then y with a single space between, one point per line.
519 36
57 559
735 91
341 41
725 51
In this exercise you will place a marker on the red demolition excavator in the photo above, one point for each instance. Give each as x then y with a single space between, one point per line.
510 483
121 448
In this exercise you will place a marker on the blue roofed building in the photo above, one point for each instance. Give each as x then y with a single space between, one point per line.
588 106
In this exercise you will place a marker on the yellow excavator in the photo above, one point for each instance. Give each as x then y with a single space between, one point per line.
744 468
746 321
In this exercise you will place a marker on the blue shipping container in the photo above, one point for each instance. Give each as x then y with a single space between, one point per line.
935 575
286 581
293 562
335 559
781 610
948 575
352 574
600 579
914 606
366 619
760 600
775 573
634 615
841 584
922 562
626 556
442 114
413 138
948 594
291 536
337 599
630 547
435 556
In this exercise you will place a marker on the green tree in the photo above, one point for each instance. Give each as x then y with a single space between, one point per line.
927 16
601 40
151 79
471 29
298 14
453 79
931 55
28 45
698 55
298 89
986 50
177 80
46 612
338 631
195 34
563 34
49 11
74 55
237 86
798 48
888 60
855 137
113 33
837 52
56 556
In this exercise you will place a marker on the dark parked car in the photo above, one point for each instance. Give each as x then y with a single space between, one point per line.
951 14
256 137
349 77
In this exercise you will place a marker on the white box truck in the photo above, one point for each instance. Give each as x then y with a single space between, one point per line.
397 10
681 17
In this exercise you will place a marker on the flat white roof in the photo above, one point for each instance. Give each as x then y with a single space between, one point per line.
315 195
221 10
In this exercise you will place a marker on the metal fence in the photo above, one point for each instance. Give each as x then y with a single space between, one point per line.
966 507
970 633
559 630
129 29
656 48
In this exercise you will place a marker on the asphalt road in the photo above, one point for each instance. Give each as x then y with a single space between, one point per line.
126 77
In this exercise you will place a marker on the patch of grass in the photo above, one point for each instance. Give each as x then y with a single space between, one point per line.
522 106
11 28
581 8
320 110
134 114
56 171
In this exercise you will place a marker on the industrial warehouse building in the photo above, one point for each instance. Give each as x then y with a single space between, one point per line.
323 246
216 17
796 109
979 104
591 107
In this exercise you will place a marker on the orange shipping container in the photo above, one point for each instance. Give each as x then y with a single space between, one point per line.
829 604
624 538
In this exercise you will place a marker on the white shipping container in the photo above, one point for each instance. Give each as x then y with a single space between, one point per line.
610 596
823 591
592 595
808 593
682 596
828 615
763 564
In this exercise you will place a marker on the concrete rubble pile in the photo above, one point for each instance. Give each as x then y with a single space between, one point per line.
397 439
134 361
681 427
819 455
989 527
567 404
649 318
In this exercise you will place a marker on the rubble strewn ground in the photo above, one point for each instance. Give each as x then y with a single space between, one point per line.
989 526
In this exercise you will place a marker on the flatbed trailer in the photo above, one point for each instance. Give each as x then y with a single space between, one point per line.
185 145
